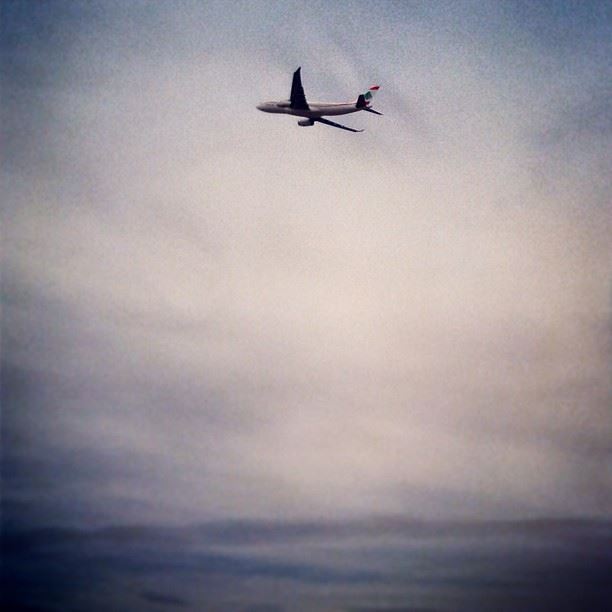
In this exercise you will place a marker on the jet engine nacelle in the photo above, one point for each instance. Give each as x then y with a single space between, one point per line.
305 122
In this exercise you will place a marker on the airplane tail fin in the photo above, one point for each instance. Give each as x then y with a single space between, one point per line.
364 100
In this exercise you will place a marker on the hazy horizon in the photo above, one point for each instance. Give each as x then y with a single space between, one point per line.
370 567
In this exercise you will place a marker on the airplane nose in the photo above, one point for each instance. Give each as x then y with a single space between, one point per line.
260 107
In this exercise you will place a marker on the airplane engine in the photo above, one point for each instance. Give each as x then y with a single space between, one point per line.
305 122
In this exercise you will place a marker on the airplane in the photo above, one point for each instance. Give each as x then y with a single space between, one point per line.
314 111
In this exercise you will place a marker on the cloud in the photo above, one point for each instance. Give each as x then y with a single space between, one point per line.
395 609
210 312
164 600
362 565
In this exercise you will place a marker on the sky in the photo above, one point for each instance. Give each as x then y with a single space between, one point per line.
209 312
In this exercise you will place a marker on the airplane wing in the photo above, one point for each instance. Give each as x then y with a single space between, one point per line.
298 99
342 127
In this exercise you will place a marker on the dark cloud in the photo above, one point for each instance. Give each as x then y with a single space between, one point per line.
164 599
392 609
371 566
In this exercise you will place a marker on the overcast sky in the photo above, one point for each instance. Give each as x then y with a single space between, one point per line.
211 312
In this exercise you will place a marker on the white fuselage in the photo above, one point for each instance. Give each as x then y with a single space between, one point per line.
315 110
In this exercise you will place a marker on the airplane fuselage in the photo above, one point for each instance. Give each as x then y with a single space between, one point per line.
315 109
